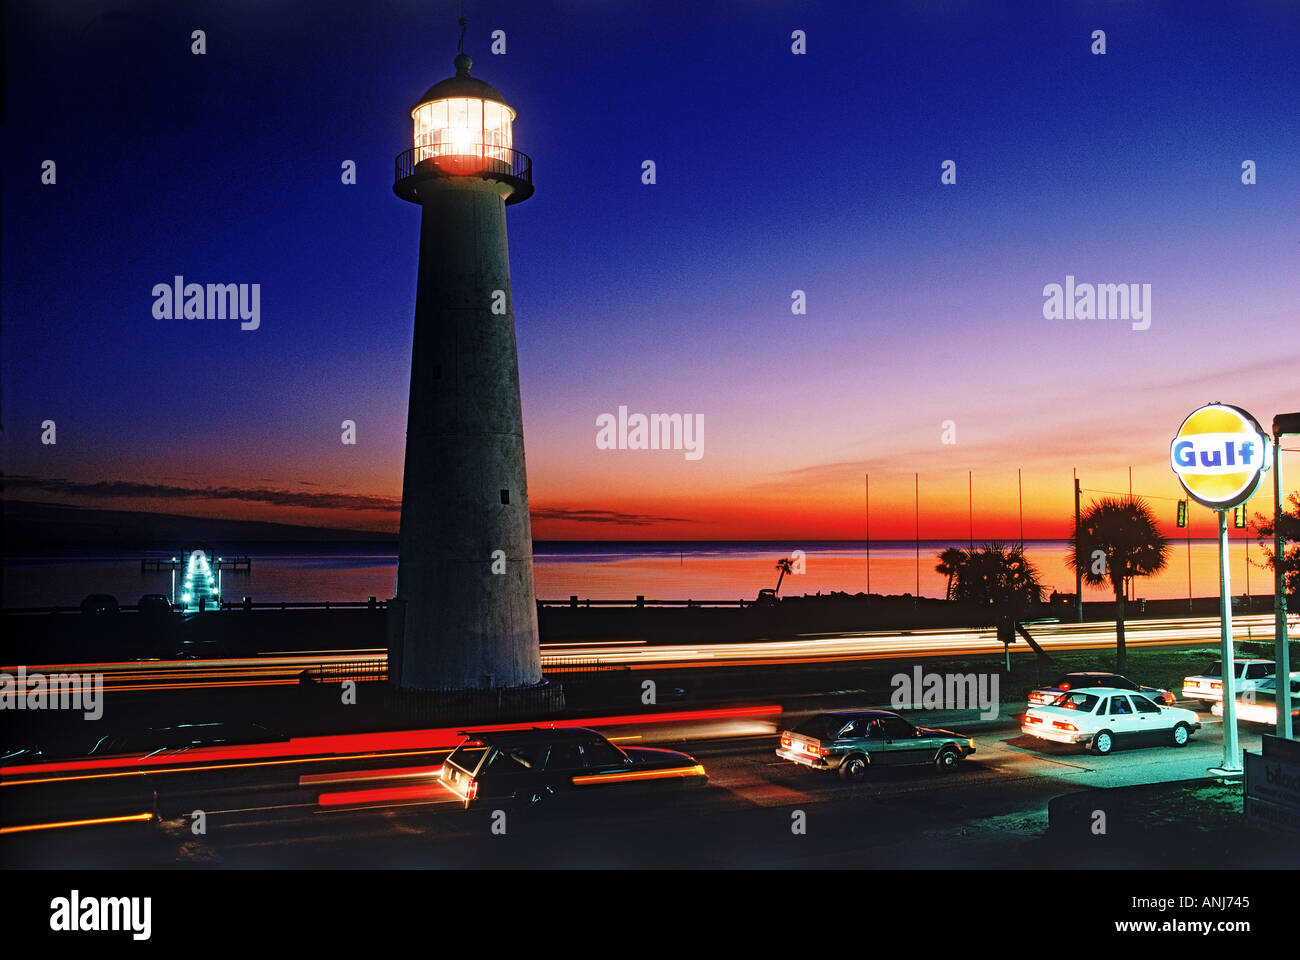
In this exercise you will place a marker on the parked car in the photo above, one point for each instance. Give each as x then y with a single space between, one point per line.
1100 718
99 603
530 769
154 605
852 741
1084 680
1260 705
1208 686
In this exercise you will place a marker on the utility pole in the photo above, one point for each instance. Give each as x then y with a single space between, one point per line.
867 481
1078 561
1020 495
1284 424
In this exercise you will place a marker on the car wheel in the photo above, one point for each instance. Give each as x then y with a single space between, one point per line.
947 759
1182 733
854 768
1103 743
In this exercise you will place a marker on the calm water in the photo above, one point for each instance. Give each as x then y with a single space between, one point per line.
598 571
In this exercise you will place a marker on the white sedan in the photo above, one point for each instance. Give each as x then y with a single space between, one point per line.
1103 717
1260 705
1208 686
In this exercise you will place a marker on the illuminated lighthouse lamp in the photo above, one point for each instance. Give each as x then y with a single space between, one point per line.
463 127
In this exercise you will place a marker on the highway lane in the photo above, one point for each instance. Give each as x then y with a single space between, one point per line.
284 667
984 813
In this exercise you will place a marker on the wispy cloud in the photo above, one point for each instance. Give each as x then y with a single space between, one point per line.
604 516
129 489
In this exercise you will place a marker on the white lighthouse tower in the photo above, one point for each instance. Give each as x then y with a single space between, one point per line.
466 616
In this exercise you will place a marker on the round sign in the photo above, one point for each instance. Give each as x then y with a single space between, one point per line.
1219 454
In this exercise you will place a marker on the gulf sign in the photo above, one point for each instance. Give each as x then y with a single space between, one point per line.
1219 454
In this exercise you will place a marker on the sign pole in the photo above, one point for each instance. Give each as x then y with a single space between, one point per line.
1231 766
1282 656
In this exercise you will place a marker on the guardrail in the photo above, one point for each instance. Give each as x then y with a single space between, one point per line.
247 604
482 160
574 603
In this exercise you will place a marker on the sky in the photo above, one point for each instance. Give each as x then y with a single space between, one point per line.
775 172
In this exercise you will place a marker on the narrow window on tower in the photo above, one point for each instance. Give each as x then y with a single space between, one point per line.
505 496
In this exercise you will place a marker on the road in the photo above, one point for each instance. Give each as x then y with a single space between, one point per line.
381 809
283 668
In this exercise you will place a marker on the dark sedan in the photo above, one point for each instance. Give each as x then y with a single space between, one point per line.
528 768
850 741
1086 679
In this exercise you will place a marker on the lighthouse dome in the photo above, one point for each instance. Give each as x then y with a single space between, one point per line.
463 86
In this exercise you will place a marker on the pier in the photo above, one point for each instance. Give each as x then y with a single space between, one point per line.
176 563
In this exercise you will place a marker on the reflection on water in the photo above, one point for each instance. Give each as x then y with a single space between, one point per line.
605 571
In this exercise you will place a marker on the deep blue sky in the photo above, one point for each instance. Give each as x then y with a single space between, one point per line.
776 172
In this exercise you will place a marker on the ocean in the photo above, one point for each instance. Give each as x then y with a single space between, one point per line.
696 570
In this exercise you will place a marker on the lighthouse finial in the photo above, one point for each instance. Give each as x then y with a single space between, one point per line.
462 61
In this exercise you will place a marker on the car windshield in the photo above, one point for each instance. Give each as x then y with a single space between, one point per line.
823 726
1084 702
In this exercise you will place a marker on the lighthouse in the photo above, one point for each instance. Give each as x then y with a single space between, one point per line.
466 616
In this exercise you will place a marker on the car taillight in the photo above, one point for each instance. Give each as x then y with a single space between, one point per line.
824 752
1062 725
1064 686
1029 719
1216 686
471 790
785 741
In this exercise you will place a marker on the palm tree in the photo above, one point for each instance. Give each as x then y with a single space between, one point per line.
1001 582
784 565
950 561
998 576
1118 540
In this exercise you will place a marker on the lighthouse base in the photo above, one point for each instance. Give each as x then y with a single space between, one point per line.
473 707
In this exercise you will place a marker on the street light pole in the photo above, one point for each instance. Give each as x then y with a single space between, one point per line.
1284 424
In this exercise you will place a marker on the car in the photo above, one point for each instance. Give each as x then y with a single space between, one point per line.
852 741
1208 686
99 603
183 736
532 768
1083 680
1100 718
154 605
1260 704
